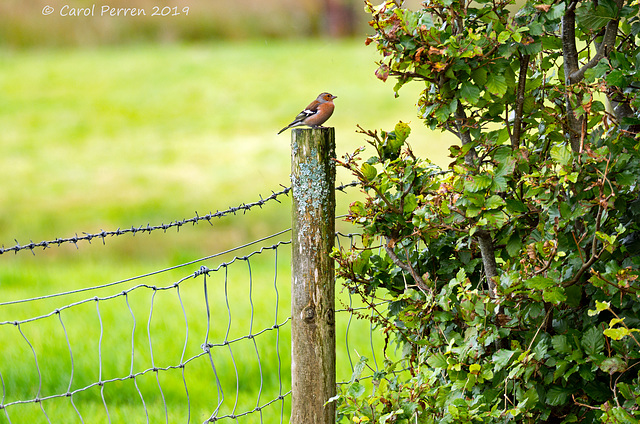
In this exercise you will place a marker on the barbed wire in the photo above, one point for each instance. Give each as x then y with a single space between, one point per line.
244 207
148 228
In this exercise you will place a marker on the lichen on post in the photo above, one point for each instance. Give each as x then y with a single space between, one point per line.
312 276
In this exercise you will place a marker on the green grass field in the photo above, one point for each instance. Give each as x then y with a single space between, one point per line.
116 137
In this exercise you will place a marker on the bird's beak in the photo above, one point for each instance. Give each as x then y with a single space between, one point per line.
333 97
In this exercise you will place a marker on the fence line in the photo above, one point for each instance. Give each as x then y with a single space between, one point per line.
98 354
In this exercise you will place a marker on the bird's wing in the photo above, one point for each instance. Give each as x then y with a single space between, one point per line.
305 114
312 109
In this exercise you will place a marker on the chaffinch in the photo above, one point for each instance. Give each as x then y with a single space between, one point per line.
315 114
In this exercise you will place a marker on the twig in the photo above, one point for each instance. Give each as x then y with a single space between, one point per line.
405 267
522 81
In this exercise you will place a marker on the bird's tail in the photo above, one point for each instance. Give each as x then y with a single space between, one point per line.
285 128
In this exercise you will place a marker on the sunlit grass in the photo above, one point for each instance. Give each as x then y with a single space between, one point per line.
125 135
121 136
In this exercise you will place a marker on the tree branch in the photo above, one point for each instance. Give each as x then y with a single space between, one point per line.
607 45
522 82
485 241
570 56
572 70
487 251
463 133
405 266
569 50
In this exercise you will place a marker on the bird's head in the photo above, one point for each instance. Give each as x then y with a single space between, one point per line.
326 97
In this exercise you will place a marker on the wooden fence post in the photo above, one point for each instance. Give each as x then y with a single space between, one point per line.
313 336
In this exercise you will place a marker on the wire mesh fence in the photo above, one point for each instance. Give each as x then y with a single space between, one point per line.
210 345
190 350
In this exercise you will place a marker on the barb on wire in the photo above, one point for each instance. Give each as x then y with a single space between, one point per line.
341 187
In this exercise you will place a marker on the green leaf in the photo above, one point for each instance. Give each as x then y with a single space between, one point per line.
502 357
479 76
625 390
356 389
499 184
589 20
554 295
425 19
515 206
613 365
470 93
410 203
593 341
616 333
358 368
504 36
496 84
586 372
597 106
472 212
558 395
574 295
402 131
357 208
620 415
556 11
494 202
392 145
535 28
616 78
551 42
561 344
514 244
598 71
600 306
561 367
530 398
475 368
561 153
529 105
368 171
540 350
539 282
615 321
506 162
361 263
438 361
477 183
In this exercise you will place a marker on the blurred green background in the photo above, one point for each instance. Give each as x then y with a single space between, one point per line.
110 122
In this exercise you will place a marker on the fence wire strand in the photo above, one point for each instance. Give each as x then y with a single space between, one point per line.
102 235
148 228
